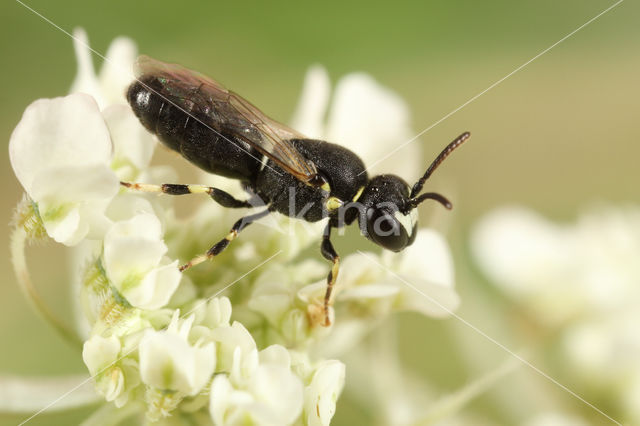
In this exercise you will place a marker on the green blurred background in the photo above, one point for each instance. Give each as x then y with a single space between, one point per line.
557 136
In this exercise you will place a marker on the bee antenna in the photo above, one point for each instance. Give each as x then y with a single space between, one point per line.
414 202
439 159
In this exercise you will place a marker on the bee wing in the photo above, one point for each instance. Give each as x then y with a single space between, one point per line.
230 113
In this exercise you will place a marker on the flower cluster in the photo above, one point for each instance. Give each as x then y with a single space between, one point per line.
579 281
164 342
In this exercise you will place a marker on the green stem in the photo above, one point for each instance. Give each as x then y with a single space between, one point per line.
110 415
18 259
453 403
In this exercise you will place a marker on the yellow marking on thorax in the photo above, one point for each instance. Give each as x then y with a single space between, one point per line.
333 203
358 194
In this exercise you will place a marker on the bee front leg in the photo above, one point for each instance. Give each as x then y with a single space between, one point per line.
221 197
224 243
329 253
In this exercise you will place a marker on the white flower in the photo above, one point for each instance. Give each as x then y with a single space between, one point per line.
321 395
114 376
133 144
169 361
603 352
562 272
581 281
364 116
268 393
116 74
212 313
60 152
427 272
276 297
101 353
135 262
235 344
420 278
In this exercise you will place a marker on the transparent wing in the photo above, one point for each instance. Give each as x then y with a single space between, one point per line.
230 114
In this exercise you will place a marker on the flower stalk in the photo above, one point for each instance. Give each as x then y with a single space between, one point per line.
19 238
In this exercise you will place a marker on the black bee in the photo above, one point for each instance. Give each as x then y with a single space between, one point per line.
224 134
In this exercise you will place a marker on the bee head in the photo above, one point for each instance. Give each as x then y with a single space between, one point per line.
384 218
388 214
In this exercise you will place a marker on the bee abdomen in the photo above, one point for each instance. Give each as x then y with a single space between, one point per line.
196 136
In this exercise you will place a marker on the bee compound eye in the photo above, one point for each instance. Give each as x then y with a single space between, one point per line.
385 230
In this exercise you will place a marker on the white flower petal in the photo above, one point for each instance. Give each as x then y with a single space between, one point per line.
132 248
369 119
134 262
308 118
168 361
520 250
127 205
133 145
229 406
280 391
321 394
276 355
428 258
217 312
76 184
369 291
117 70
67 228
427 298
99 352
85 81
272 307
356 270
128 258
220 395
144 226
244 366
424 275
230 338
313 292
115 384
156 288
72 201
58 133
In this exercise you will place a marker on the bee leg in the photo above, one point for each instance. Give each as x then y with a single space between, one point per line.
329 253
221 197
222 244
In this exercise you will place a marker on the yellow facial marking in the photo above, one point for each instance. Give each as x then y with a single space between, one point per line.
325 187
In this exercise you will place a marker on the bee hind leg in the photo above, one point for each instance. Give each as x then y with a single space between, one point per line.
219 196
